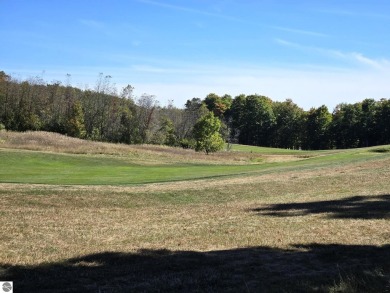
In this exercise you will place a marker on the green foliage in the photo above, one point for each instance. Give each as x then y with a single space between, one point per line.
187 143
289 125
75 121
95 135
317 129
238 110
193 111
2 126
168 129
218 105
345 125
103 114
367 126
383 121
258 121
128 124
206 134
165 134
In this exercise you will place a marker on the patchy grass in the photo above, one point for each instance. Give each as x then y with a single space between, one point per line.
149 164
320 224
143 154
49 168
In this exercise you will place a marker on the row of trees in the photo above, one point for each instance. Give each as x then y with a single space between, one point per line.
257 120
102 113
105 114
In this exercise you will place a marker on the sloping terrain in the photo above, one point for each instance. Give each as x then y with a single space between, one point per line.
318 223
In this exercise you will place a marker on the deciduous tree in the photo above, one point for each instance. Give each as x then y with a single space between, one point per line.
206 134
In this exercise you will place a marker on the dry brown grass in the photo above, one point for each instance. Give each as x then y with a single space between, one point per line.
54 142
49 223
240 225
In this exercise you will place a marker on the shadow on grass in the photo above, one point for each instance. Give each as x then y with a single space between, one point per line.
303 268
356 207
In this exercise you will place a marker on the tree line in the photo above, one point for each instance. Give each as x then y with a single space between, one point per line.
106 114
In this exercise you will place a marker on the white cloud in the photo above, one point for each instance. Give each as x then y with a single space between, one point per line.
355 57
299 31
308 86
353 13
187 9
380 64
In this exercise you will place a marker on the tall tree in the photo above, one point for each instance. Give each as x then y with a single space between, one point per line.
317 134
166 133
288 131
368 129
75 121
218 105
5 107
383 121
345 125
258 121
206 134
147 109
193 111
237 110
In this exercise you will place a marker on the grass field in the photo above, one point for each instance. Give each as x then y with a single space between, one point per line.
94 217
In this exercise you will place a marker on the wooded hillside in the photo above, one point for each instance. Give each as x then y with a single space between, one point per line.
106 114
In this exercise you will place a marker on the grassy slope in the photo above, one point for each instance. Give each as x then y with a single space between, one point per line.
316 224
127 167
50 168
271 151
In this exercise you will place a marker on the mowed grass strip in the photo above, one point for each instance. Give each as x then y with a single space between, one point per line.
318 224
324 229
270 151
22 166
49 168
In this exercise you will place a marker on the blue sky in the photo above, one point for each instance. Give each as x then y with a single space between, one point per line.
313 52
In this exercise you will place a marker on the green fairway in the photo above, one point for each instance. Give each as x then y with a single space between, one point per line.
37 167
270 151
19 166
250 220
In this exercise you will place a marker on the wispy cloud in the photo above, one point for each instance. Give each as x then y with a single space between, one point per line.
114 30
299 31
354 57
379 64
288 43
352 13
310 49
189 10
306 86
